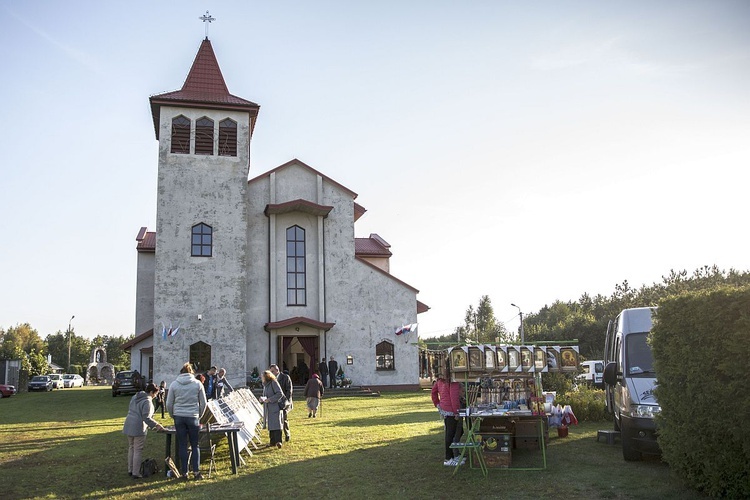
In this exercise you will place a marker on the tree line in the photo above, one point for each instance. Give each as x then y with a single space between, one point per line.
585 319
24 342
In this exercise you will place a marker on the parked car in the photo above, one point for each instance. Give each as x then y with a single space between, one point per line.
124 384
57 380
41 383
72 380
6 390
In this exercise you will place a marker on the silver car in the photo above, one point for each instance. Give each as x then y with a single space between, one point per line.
72 380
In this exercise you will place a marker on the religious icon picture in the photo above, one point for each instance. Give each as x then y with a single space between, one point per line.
502 359
513 361
489 358
553 359
525 358
458 360
569 358
475 358
540 359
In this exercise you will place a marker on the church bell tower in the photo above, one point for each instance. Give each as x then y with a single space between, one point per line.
201 263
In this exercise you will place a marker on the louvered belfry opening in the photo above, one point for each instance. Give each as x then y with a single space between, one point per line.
180 135
227 137
204 136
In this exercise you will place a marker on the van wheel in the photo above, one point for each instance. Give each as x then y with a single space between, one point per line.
628 452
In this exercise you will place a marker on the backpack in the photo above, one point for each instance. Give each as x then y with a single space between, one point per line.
149 467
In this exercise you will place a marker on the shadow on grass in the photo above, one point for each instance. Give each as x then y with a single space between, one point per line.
413 417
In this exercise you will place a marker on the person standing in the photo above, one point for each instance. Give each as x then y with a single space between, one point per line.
285 382
333 367
210 383
159 399
271 396
446 396
323 370
313 394
186 402
223 387
137 422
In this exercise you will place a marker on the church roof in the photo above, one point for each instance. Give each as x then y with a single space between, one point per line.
374 246
140 338
146 240
204 87
295 161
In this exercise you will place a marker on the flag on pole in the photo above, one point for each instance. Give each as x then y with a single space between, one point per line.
407 329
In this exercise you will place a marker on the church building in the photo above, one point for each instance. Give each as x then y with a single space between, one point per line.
244 273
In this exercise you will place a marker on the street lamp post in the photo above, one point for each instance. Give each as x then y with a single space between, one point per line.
520 314
67 368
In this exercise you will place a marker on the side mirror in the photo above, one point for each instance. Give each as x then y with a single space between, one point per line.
610 373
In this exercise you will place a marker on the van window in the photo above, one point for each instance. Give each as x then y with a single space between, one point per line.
639 358
599 367
586 368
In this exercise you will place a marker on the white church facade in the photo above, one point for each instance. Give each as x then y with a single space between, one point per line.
259 271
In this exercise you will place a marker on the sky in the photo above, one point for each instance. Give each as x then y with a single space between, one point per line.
530 152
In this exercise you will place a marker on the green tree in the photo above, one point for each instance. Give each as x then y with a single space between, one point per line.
37 363
481 326
21 336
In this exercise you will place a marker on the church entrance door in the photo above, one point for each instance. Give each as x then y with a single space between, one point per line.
298 355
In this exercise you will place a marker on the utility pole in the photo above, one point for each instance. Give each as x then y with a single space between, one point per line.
70 336
520 314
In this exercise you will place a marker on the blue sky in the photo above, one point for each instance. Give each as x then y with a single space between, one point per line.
529 152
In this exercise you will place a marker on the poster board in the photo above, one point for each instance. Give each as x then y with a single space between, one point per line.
240 405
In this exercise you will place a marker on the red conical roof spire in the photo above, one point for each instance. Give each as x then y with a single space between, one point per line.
204 88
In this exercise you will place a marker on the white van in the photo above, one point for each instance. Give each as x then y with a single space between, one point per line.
593 373
630 380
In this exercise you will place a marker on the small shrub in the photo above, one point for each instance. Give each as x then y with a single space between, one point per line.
587 404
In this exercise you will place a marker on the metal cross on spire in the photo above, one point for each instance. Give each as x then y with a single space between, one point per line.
207 20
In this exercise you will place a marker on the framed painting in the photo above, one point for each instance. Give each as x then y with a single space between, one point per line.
458 360
489 358
475 359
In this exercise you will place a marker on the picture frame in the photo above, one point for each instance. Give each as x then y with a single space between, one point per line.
475 359
489 358
526 357
569 359
514 359
540 359
502 358
458 360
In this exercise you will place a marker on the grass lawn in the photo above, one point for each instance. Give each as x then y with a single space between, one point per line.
69 444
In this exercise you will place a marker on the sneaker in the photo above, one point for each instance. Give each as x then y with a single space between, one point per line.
198 476
288 438
278 445
309 415
450 463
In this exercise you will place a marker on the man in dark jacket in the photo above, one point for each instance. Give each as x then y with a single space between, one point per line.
333 367
323 370
285 382
210 383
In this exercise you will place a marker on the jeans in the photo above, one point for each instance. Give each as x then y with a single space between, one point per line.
135 451
187 428
453 432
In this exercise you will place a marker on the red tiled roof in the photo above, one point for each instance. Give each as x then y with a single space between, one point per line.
204 88
146 241
371 247
295 161
140 338
422 307
299 320
300 205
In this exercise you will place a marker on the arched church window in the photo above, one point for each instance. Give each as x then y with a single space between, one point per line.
296 294
384 356
200 356
202 240
227 137
204 136
180 135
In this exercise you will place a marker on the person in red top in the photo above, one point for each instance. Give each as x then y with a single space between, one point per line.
446 396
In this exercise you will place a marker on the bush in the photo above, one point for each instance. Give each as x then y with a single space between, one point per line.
701 346
587 404
558 382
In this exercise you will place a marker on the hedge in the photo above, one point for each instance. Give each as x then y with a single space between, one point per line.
701 346
587 404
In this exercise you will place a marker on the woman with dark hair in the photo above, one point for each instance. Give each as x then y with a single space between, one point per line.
272 394
446 396
186 402
137 423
